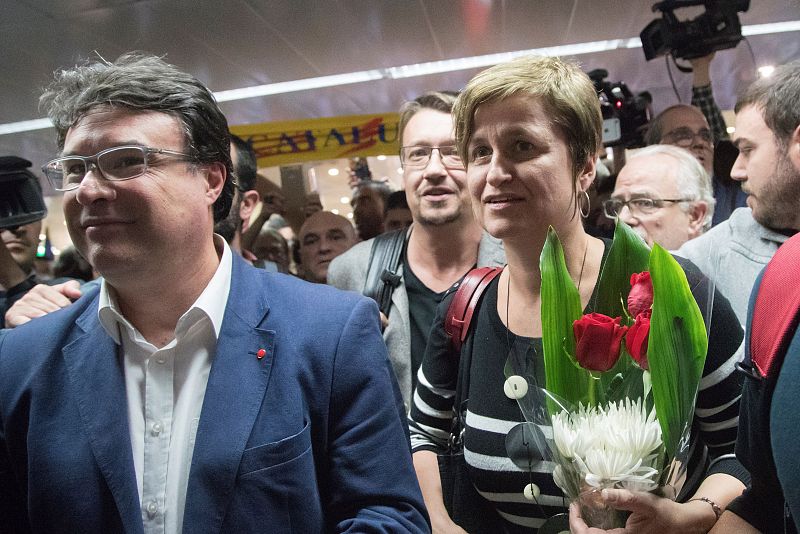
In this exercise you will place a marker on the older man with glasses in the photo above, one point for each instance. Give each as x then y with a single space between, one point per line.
190 392
686 127
664 194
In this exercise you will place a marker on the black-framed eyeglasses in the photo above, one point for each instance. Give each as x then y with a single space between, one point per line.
115 164
637 206
419 156
684 137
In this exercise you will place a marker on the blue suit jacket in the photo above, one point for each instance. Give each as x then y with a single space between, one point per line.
309 438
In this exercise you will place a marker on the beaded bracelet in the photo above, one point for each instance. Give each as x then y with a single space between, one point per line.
714 506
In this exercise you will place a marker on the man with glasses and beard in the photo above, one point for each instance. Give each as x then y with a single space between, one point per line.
768 167
190 392
443 243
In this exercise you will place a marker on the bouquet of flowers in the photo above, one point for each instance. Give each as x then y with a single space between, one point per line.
620 384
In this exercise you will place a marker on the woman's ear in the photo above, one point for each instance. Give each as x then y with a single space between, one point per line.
587 174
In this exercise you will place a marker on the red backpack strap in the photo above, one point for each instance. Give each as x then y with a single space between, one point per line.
777 308
459 313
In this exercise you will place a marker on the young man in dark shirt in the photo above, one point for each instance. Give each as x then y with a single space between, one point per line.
443 243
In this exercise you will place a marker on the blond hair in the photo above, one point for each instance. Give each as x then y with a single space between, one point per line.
564 90
441 101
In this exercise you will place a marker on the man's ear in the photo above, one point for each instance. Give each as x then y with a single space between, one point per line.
794 148
215 174
248 204
697 216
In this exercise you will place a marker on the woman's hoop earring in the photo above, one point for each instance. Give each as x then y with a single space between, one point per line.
585 213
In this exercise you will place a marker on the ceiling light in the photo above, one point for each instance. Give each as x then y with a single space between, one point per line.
333 171
299 85
730 129
771 27
335 211
381 157
25 126
766 71
345 200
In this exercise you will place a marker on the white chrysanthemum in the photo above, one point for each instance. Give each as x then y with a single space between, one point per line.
631 429
610 445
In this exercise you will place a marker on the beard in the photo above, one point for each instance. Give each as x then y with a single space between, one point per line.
778 204
437 215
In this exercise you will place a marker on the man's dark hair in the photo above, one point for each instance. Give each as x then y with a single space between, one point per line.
396 200
142 82
776 96
382 188
246 164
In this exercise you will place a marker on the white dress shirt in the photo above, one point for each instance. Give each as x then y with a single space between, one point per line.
165 390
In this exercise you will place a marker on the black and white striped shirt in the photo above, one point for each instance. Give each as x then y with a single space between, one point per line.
490 415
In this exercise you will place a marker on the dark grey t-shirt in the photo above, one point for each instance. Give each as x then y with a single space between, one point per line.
422 303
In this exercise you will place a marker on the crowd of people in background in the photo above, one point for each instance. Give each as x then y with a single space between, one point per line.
485 173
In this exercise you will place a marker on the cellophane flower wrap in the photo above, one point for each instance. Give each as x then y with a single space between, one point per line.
617 402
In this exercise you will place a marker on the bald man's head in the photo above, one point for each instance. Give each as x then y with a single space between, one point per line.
684 126
323 236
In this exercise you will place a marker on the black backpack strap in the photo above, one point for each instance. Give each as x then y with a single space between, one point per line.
382 270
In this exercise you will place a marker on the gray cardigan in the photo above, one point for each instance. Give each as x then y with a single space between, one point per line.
732 255
349 272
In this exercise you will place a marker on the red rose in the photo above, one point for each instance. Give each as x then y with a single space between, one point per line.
597 341
636 339
641 296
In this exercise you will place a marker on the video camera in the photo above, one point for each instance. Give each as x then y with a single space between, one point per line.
716 29
624 114
21 199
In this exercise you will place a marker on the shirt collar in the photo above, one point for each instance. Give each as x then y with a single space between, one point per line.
211 302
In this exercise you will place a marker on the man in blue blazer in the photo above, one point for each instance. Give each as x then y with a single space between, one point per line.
190 392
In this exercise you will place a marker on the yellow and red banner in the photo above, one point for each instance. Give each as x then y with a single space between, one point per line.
287 142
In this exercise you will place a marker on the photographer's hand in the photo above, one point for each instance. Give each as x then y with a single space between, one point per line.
700 70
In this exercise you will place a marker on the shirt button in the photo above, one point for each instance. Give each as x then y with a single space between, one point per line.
515 387
531 492
160 359
156 429
152 509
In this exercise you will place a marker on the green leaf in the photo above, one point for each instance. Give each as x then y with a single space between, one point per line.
623 380
677 347
561 306
628 255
